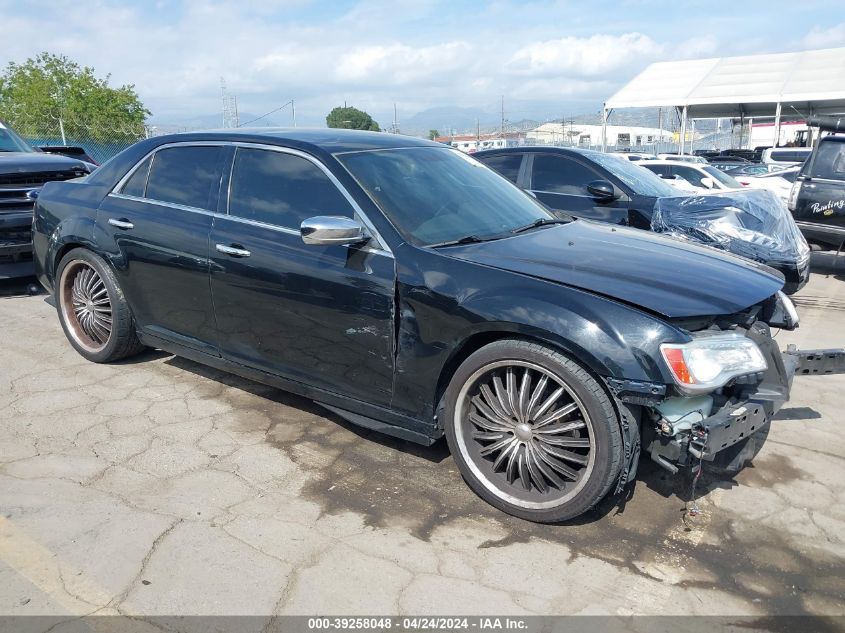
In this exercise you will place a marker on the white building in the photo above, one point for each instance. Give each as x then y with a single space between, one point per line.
590 135
790 133
471 143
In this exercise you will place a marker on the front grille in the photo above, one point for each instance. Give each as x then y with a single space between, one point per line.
15 200
36 179
15 246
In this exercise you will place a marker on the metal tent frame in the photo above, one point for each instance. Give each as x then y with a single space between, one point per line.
807 82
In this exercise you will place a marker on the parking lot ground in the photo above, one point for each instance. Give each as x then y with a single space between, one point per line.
160 486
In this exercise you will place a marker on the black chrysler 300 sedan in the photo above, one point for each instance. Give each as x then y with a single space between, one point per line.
410 289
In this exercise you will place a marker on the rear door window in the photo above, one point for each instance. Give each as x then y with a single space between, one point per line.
829 161
184 175
282 189
506 164
559 174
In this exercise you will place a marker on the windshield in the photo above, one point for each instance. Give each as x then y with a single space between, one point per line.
11 142
722 177
434 195
640 180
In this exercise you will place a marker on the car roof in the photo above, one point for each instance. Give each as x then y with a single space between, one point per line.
681 163
322 143
543 149
331 140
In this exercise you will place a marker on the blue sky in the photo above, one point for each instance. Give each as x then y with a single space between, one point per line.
547 57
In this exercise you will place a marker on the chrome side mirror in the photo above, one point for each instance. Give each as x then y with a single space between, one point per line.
332 229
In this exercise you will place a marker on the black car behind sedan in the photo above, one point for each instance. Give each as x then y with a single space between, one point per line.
607 188
23 170
409 289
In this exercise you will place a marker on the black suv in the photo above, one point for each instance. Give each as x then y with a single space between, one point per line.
23 170
817 199
607 188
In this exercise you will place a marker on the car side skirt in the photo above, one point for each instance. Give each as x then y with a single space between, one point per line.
359 413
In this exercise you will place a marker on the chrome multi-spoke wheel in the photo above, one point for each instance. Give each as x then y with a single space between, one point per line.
86 305
92 309
524 433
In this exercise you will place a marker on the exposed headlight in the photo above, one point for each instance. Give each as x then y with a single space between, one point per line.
709 361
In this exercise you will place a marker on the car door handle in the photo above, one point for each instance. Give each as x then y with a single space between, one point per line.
121 224
234 251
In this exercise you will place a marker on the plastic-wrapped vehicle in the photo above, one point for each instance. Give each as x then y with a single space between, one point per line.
753 223
607 188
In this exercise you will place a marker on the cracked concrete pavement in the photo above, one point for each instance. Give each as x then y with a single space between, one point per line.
157 486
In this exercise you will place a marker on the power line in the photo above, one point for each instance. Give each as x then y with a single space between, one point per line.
282 107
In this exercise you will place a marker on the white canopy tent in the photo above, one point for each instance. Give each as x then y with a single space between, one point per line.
805 83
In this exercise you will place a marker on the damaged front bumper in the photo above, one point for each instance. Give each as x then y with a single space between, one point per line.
746 409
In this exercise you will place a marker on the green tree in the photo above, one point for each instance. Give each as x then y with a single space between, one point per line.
351 119
37 94
433 134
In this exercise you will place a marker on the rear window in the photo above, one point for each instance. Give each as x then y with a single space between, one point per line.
829 161
184 175
506 164
138 180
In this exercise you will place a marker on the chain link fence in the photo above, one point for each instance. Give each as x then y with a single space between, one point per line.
100 140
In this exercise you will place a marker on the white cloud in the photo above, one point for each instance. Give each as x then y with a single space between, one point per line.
699 46
830 37
414 52
585 57
399 64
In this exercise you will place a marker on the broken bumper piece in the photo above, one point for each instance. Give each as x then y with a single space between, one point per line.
739 419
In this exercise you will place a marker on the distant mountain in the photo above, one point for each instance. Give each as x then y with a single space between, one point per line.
446 118
463 120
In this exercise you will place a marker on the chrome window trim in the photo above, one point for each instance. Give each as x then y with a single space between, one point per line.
162 203
398 149
560 193
264 225
379 248
811 179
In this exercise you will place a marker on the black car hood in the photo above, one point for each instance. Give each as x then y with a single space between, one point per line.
28 162
660 274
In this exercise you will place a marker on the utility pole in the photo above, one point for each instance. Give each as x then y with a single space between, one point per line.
293 112
503 116
395 122
230 106
659 129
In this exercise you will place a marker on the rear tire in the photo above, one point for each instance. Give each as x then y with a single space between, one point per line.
532 432
92 310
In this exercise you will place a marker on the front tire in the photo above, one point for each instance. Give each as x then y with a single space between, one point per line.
532 432
92 310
